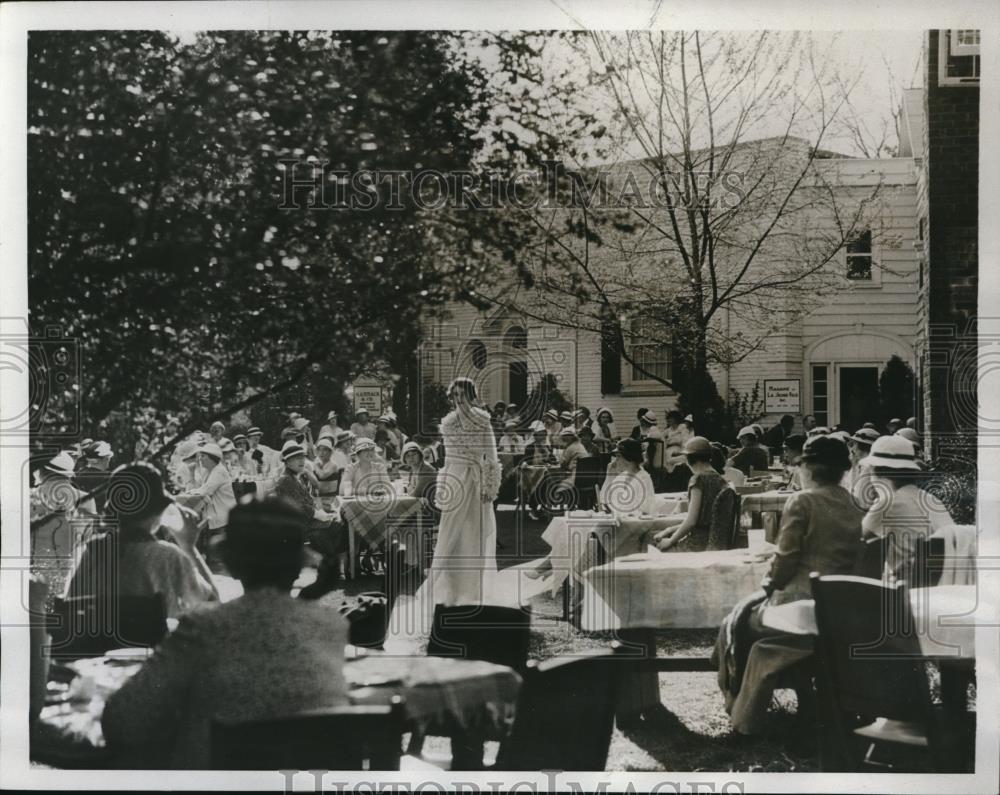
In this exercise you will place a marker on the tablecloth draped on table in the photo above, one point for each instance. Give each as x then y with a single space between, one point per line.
569 537
371 518
659 590
457 694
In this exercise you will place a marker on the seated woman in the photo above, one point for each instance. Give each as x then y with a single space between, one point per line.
900 508
261 655
368 476
420 477
820 531
628 487
605 435
142 556
693 528
327 471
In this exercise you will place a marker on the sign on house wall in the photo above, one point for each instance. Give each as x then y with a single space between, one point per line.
368 397
782 396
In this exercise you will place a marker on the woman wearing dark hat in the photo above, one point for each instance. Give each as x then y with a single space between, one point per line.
693 529
259 656
900 508
131 560
628 488
820 532
820 525
791 456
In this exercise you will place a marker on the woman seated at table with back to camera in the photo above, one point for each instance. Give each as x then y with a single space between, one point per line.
258 656
142 555
820 532
899 506
369 475
691 531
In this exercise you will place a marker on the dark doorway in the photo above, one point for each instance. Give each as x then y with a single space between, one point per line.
518 375
517 372
859 396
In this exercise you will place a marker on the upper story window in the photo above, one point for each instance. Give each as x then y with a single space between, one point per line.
859 257
477 354
958 57
650 350
965 42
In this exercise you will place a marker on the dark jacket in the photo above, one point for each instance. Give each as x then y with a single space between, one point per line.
732 646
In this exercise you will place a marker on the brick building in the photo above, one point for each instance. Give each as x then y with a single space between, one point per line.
941 133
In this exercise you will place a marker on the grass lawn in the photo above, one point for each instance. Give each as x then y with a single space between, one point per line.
690 733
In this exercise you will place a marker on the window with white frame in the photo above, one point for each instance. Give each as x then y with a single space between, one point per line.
965 42
650 351
859 257
958 57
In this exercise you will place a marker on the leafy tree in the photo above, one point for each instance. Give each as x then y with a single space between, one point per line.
161 235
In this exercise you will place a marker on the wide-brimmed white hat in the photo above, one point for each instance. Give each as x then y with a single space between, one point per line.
343 436
648 417
910 435
325 441
603 410
364 444
538 427
892 452
746 431
212 449
61 464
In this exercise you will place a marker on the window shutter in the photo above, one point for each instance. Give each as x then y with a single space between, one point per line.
611 360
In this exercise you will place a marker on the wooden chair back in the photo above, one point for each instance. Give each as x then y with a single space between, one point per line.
565 714
336 738
482 632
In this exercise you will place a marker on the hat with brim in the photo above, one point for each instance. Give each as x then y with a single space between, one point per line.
820 430
217 424
551 414
842 436
866 436
827 450
509 425
300 423
359 412
747 431
135 491
211 449
794 443
648 417
99 450
895 421
343 436
892 452
410 447
254 431
538 427
602 410
61 464
569 433
187 450
697 444
630 450
325 441
910 435
290 449
331 415
364 444
240 437
289 433
566 416
228 446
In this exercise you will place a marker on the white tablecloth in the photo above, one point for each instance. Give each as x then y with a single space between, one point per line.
946 618
691 590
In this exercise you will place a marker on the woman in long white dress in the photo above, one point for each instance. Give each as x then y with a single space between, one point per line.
464 568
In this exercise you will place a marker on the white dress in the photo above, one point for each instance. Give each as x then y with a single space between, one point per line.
464 568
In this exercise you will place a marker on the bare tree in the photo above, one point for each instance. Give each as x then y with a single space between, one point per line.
720 219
